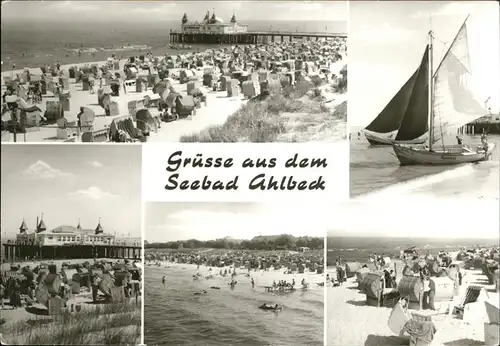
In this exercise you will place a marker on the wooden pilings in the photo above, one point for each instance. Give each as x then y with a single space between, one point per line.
16 252
245 38
478 128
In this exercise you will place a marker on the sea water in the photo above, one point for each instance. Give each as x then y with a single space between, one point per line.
375 168
35 43
175 316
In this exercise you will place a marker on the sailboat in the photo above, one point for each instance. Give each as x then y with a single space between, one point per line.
450 105
397 123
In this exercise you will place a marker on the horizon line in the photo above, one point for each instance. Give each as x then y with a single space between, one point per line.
405 237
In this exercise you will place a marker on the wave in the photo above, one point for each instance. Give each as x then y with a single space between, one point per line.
418 183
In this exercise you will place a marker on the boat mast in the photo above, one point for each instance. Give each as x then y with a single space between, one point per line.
430 91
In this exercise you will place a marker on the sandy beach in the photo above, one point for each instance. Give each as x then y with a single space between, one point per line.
93 321
220 107
289 103
351 322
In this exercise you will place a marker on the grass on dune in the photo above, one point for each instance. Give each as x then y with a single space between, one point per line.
264 121
112 324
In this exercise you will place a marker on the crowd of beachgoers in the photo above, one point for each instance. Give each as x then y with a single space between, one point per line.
246 259
416 294
66 291
131 97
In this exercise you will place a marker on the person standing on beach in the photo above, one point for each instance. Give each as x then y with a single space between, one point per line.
79 117
91 85
427 292
163 280
95 287
2 293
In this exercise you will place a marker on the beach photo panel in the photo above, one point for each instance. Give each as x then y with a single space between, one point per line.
71 244
413 270
399 131
233 273
244 71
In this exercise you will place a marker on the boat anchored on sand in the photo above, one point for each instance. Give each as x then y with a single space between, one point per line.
450 105
450 155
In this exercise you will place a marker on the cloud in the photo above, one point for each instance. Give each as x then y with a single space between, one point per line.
383 33
92 192
43 170
449 9
95 164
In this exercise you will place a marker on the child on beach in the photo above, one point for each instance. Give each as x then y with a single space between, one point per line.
91 86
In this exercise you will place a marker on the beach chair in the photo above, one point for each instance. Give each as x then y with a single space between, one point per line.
471 295
377 294
398 318
418 326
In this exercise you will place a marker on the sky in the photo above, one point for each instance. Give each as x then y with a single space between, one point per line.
173 10
416 217
209 221
387 41
71 182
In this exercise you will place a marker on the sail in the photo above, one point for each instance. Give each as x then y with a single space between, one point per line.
415 120
389 119
454 102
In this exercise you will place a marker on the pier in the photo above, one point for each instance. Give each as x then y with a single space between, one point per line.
257 37
15 252
490 124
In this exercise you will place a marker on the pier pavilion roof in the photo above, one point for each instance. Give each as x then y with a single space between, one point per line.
67 229
23 227
41 226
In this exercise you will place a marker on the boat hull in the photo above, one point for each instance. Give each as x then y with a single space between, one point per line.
408 155
377 139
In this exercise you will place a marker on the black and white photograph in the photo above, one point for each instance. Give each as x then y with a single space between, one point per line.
176 71
233 274
413 272
71 257
424 94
